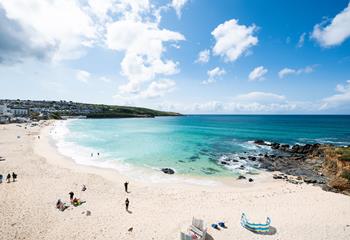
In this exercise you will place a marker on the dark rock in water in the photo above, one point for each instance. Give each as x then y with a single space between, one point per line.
241 158
181 161
275 145
251 158
260 154
242 167
168 170
260 142
250 180
224 163
284 147
241 177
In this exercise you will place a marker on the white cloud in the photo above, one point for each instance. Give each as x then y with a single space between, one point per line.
290 71
61 26
203 56
158 88
178 5
232 39
83 76
341 99
259 97
257 73
214 74
334 33
301 40
143 45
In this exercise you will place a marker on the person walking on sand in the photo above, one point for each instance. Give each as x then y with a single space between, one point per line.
1 178
126 186
8 178
14 176
127 204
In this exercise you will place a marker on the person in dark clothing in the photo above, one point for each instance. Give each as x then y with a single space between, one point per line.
126 186
8 178
71 196
127 205
14 176
1 178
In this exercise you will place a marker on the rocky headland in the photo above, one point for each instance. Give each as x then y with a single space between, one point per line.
321 164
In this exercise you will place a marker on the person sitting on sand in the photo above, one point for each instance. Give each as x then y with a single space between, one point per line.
61 205
83 188
14 176
71 196
77 202
8 178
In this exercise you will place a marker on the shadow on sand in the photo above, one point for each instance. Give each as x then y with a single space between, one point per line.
272 231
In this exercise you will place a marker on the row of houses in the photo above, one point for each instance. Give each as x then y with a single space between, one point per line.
13 114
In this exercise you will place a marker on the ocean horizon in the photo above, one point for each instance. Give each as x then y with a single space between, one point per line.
193 145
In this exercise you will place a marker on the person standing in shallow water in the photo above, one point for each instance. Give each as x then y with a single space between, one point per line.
127 204
126 186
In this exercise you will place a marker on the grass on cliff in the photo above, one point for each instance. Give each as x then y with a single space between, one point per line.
344 152
346 174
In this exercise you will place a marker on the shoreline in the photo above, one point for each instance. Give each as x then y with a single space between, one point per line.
159 210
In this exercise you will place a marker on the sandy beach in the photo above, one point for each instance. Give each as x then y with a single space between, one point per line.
158 210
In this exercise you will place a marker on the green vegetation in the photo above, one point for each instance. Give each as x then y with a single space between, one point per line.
346 175
105 111
56 116
344 153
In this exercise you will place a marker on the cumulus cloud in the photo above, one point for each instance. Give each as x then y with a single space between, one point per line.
340 99
83 76
61 26
290 71
333 33
178 5
214 74
233 39
203 56
257 73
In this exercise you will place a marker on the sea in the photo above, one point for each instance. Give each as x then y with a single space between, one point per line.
193 145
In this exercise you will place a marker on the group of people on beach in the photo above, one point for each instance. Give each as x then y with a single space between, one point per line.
8 177
73 200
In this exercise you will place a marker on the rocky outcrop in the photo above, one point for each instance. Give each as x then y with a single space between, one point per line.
319 164
336 167
168 170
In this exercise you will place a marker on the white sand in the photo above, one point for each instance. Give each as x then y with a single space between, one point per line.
159 211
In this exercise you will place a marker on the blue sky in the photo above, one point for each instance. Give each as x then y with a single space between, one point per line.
256 56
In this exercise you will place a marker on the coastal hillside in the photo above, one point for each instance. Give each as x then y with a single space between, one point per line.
56 109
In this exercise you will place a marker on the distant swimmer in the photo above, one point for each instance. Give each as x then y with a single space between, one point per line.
92 154
98 154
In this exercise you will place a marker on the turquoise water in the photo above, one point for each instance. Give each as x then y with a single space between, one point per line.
196 144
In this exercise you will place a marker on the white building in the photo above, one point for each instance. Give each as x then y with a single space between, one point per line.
19 112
